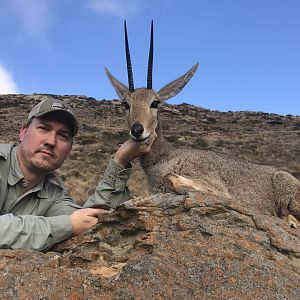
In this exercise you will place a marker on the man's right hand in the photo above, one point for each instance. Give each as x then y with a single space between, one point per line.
84 218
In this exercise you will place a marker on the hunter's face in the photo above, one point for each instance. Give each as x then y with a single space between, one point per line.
44 144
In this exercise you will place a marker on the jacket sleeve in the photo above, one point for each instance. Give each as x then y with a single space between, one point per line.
33 232
112 190
42 232
39 232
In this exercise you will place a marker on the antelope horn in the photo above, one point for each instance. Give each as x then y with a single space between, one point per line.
150 60
128 60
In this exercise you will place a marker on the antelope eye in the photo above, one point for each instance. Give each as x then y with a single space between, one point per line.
155 104
126 105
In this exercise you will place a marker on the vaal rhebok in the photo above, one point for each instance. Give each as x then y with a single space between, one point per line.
272 191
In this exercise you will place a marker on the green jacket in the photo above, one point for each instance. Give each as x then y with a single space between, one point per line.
40 218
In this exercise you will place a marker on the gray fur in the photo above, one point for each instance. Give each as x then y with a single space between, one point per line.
272 191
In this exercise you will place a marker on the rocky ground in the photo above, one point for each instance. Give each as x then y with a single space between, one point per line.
164 246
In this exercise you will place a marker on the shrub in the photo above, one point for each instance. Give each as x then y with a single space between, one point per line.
200 143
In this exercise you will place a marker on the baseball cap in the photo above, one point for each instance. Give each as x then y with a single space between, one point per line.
51 105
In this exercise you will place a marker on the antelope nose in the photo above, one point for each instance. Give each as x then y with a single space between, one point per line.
137 129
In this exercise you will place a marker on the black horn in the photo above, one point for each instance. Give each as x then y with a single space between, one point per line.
150 60
128 60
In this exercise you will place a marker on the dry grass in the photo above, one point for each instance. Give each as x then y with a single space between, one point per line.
258 137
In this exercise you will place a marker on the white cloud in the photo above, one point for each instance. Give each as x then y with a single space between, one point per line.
36 16
120 8
7 84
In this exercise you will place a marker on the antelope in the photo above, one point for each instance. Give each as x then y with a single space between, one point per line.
169 169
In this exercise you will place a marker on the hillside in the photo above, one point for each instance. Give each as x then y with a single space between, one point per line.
256 136
163 246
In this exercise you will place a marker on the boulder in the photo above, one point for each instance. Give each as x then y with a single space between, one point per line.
164 246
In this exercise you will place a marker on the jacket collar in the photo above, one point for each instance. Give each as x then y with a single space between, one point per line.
5 150
15 173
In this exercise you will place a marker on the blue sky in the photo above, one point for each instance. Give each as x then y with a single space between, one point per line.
248 50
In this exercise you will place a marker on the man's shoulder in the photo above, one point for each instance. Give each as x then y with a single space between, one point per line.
5 149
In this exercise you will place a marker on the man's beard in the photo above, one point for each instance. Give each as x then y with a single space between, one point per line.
36 163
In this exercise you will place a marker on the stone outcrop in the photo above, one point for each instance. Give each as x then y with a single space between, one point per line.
165 246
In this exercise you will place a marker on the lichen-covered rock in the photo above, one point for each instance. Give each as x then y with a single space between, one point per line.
164 246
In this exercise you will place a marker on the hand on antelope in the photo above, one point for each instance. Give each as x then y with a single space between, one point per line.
131 150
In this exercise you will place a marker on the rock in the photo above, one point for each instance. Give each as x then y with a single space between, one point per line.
164 246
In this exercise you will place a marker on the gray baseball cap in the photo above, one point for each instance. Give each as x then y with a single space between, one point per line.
51 105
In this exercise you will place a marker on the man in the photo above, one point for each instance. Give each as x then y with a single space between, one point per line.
35 209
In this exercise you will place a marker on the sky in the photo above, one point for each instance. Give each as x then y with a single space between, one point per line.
248 50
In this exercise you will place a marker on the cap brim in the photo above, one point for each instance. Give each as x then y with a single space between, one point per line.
64 116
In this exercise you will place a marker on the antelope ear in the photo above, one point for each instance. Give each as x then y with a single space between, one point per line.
173 88
120 88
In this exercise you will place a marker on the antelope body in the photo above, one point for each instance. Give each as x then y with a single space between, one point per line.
271 191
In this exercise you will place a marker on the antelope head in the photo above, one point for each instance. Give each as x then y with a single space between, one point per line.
142 104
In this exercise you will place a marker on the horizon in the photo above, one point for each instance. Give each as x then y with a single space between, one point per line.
248 52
